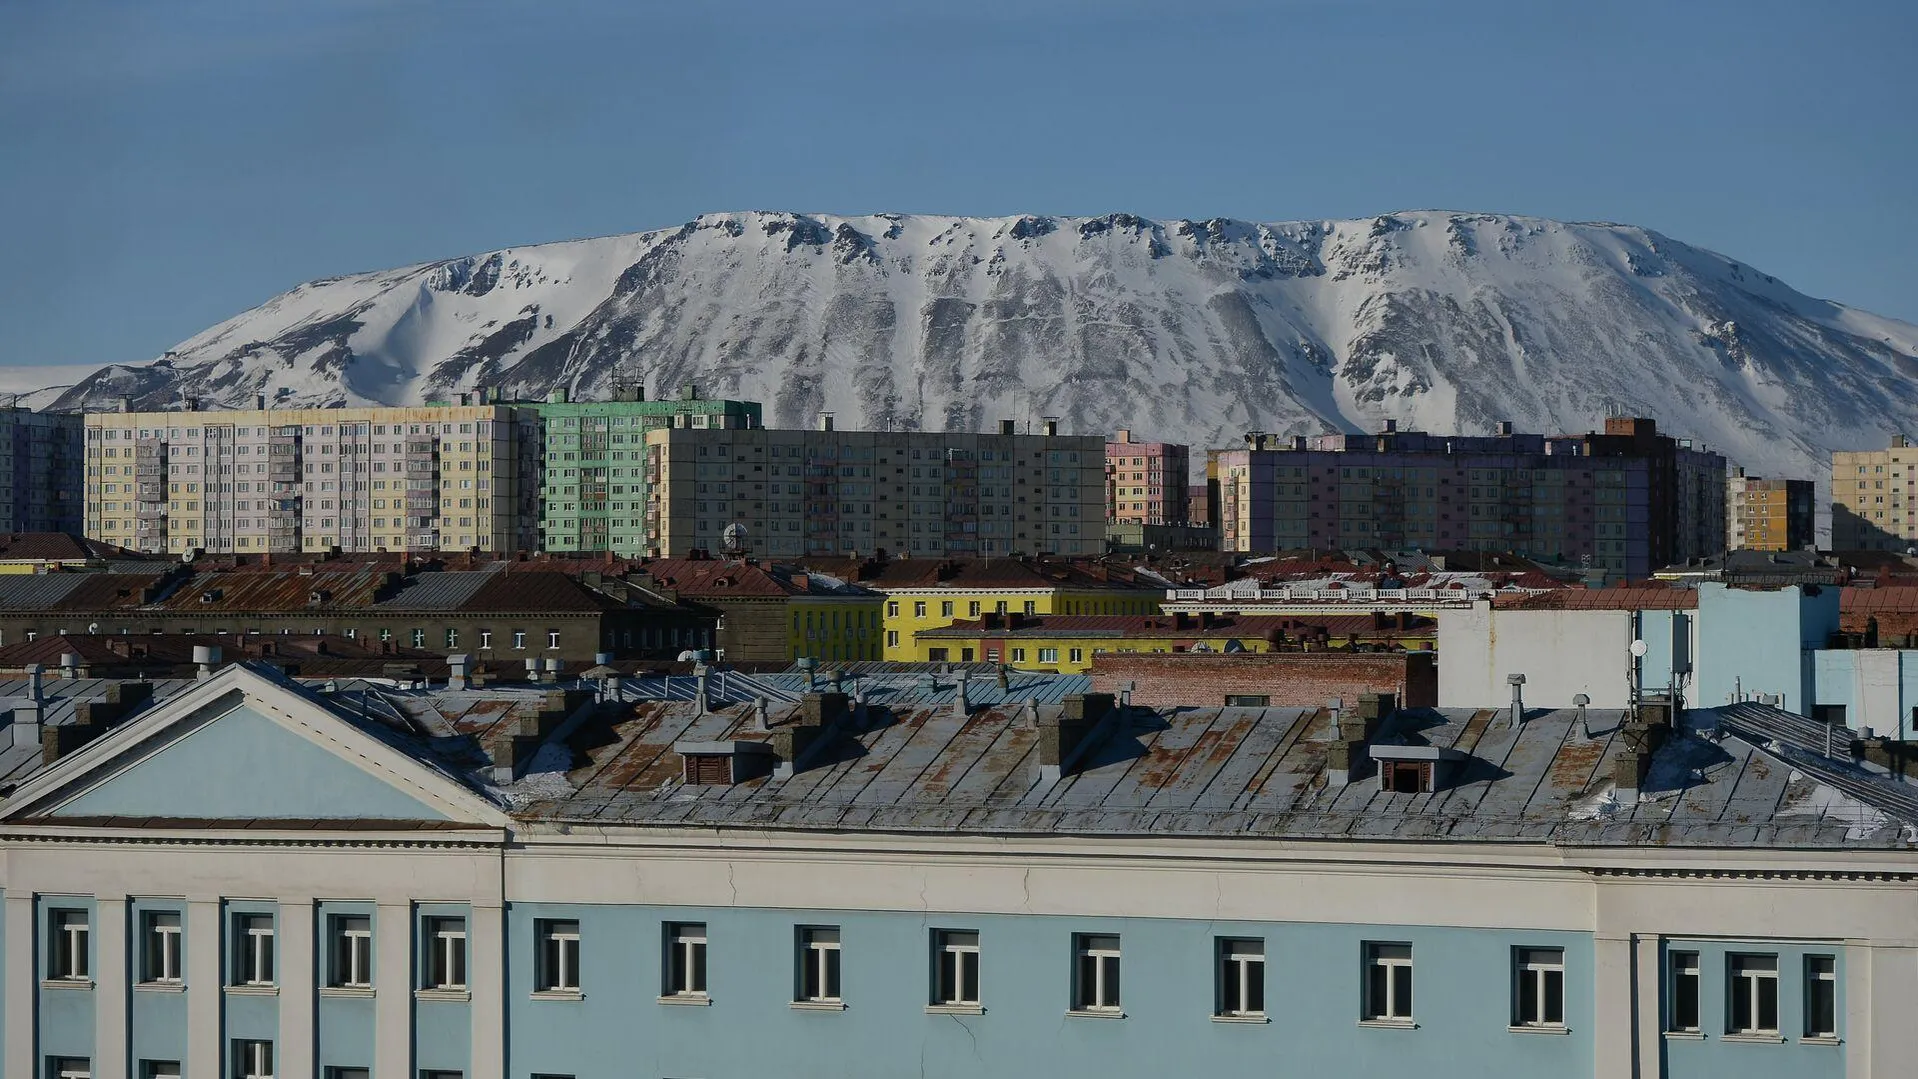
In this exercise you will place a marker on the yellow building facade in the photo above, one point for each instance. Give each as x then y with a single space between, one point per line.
913 610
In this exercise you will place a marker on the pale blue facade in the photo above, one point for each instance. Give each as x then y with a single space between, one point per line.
1754 642
1789 1055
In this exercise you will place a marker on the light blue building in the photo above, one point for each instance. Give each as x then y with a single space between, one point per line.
250 878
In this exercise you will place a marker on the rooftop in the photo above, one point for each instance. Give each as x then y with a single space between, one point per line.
1264 627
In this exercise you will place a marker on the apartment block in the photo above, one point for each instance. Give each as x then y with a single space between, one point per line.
1768 515
1622 502
279 480
40 471
1874 498
796 493
1147 482
592 489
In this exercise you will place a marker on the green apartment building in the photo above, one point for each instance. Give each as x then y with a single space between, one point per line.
593 462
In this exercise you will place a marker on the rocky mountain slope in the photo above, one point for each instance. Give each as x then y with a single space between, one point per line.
1196 331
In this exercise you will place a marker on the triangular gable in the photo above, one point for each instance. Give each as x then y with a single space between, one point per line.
244 746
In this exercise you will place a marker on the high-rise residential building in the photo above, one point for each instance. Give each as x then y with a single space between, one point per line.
1146 482
1768 515
40 470
592 485
272 480
1874 498
1622 502
906 493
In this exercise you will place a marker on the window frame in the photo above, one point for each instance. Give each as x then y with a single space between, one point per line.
1098 966
687 947
820 975
1380 1000
444 938
1239 964
69 1067
69 945
252 1058
1684 965
1820 970
1536 994
350 954
556 957
161 946
955 962
1750 968
255 950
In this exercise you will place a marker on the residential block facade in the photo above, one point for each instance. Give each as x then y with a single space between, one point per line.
271 480
1147 482
40 471
1769 515
592 476
859 493
1622 502
1874 498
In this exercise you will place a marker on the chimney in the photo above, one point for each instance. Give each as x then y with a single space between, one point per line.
1629 770
961 707
1125 434
1065 737
702 674
456 671
512 755
1517 682
206 656
1008 427
26 725
35 690
825 421
760 717
793 740
1579 701
123 403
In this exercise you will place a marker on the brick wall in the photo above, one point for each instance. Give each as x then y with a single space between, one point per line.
1289 679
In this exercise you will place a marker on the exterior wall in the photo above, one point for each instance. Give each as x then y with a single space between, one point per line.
1287 680
943 606
1768 515
1562 654
1876 687
1146 482
41 471
270 480
592 464
1755 643
1625 502
834 627
1874 498
910 494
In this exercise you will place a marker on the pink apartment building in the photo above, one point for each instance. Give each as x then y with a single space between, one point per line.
1146 482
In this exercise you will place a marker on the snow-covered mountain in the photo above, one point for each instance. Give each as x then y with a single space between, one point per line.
1194 331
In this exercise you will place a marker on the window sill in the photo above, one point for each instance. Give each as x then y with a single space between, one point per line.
1686 1035
1818 1039
1096 1013
442 994
347 991
253 990
1542 1028
159 987
1247 1018
819 1005
696 1000
1755 1038
66 983
1389 1024
955 1009
558 994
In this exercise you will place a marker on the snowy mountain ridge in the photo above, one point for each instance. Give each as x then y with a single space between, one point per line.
1193 331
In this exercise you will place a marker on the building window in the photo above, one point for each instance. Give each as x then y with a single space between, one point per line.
956 967
819 964
892 609
1032 607
1753 1003
1095 977
1076 655
686 960
425 1074
1247 700
486 638
892 638
252 1058
349 1073
1388 982
68 1068
1048 655
253 949
452 638
919 608
519 638
352 952
552 638
1241 978
1018 655
945 608
159 1069
419 638
67 946
1821 996
160 947
1540 987
558 957
972 609
446 953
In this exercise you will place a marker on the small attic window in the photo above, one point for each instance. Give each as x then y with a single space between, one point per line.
1405 777
709 769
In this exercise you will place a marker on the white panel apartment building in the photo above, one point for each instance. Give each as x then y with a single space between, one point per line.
912 494
282 480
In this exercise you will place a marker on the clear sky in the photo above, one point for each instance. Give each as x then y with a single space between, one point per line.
165 164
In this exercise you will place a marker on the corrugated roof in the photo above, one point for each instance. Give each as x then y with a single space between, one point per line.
444 591
28 592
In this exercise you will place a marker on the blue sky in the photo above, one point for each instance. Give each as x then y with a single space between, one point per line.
165 165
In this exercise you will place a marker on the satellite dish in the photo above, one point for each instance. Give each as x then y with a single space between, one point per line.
733 537
1638 648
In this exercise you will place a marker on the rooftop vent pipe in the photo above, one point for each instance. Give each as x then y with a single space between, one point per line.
1517 682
